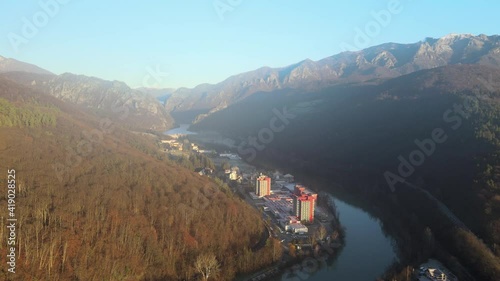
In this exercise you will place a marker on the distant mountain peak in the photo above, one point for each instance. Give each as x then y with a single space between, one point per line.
457 35
377 63
12 65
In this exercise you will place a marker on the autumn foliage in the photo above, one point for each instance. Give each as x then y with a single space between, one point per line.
117 209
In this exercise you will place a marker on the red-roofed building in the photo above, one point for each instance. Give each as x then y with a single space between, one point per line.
304 202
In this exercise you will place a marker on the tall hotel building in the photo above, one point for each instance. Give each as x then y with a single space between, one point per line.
304 202
263 186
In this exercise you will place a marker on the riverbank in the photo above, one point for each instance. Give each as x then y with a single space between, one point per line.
321 242
368 251
418 225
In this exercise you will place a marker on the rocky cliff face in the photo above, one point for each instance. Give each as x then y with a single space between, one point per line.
373 64
111 99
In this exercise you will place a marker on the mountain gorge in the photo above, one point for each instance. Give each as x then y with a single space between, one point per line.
356 135
114 199
368 123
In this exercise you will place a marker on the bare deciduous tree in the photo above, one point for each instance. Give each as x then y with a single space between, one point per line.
322 233
207 265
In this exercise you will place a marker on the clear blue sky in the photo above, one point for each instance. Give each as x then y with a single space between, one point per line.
121 40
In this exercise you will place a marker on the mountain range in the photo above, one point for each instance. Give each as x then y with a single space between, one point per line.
371 65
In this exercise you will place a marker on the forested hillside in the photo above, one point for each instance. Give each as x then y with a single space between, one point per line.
95 202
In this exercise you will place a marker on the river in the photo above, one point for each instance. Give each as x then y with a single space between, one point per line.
182 130
367 253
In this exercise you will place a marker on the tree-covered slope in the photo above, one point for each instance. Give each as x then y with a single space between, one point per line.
95 202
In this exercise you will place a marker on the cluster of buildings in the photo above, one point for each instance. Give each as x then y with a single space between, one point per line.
233 174
433 270
176 144
435 274
291 208
196 148
204 171
173 144
293 224
231 156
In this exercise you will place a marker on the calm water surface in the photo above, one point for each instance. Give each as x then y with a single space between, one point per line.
366 255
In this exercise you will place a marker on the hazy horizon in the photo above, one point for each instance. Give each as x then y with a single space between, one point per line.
187 45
